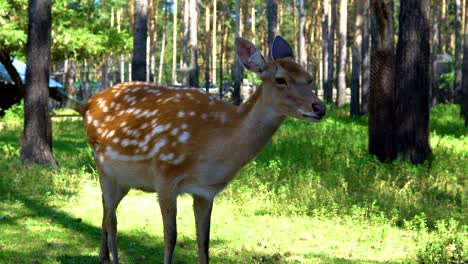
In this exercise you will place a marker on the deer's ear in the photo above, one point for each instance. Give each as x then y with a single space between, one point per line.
249 55
281 49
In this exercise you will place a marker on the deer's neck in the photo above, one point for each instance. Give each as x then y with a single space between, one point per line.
257 123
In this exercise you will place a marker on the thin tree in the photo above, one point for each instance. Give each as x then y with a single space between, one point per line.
37 133
357 60
163 44
194 68
325 44
174 43
458 49
412 83
302 51
436 49
366 67
331 53
272 17
213 41
238 69
382 82
139 40
185 42
341 61
207 47
464 97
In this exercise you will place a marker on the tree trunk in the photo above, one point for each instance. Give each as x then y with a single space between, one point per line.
341 65
325 44
464 97
194 68
382 82
331 54
412 83
207 48
161 56
357 60
366 67
37 133
185 41
139 40
238 70
272 17
302 52
174 44
70 80
213 41
436 49
458 52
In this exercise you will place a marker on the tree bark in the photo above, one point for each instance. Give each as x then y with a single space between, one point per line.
366 58
382 82
436 49
341 65
174 44
194 68
185 42
207 47
70 80
272 17
302 51
238 70
37 133
139 40
464 97
357 60
412 85
325 44
213 41
331 54
458 51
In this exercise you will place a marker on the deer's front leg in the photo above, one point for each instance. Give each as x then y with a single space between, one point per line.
202 208
168 205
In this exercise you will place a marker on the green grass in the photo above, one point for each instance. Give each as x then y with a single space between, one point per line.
313 195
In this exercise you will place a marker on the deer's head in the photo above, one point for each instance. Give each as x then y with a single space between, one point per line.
287 85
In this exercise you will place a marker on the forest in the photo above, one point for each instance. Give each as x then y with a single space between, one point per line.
380 178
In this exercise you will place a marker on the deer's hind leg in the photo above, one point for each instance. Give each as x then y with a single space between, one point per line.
112 194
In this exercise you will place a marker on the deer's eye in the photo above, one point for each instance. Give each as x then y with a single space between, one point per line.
280 81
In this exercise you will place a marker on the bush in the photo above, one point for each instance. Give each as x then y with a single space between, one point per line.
15 112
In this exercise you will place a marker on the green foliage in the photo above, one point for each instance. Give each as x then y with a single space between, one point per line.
446 80
15 113
447 245
13 22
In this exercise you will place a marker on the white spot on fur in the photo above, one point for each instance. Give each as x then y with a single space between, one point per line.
166 157
184 137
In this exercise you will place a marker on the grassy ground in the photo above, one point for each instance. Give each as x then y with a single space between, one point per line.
312 196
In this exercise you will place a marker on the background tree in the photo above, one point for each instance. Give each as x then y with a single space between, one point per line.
272 16
238 68
302 55
356 60
194 68
458 48
341 60
366 58
37 133
464 97
412 83
139 40
382 82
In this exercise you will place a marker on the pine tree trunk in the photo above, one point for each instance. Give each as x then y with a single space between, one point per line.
341 64
331 54
37 133
325 44
207 48
382 82
366 58
302 51
238 70
213 41
458 52
186 42
357 60
139 40
412 83
194 68
464 97
174 44
436 49
272 17
70 80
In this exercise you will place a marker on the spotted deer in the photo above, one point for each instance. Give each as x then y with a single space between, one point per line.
174 140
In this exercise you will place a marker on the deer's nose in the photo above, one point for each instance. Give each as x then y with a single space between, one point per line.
320 109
